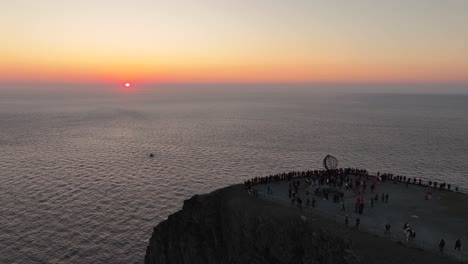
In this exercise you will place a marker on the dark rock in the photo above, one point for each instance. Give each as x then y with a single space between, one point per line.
226 227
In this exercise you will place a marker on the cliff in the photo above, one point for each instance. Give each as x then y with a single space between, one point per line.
229 226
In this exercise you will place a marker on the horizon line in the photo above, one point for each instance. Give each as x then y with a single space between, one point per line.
389 82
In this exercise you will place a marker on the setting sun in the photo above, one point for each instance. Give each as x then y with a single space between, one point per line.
127 85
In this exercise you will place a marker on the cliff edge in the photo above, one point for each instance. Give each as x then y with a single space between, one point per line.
229 226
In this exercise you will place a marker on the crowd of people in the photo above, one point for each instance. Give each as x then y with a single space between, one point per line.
340 178
332 177
334 183
415 181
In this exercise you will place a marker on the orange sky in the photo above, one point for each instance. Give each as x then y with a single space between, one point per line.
228 41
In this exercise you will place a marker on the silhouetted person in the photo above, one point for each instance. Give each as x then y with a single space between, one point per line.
346 220
458 244
358 221
441 246
387 228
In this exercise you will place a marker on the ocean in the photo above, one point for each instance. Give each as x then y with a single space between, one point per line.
77 184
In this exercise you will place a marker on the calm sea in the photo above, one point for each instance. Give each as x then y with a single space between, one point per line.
77 185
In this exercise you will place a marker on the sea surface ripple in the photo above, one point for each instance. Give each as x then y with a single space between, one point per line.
77 185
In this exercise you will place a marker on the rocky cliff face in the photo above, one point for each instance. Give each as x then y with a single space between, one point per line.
228 226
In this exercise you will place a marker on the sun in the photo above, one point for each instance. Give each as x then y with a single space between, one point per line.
127 84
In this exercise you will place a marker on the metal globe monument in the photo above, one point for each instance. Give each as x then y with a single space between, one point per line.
330 162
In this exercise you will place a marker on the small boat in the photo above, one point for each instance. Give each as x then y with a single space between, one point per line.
151 155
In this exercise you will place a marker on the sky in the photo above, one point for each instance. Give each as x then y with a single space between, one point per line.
239 41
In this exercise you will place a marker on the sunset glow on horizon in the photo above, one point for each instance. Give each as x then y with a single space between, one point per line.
234 41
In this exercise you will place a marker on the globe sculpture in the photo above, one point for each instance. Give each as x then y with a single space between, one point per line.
330 162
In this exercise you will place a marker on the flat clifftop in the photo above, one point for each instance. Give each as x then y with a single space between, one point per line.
229 226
